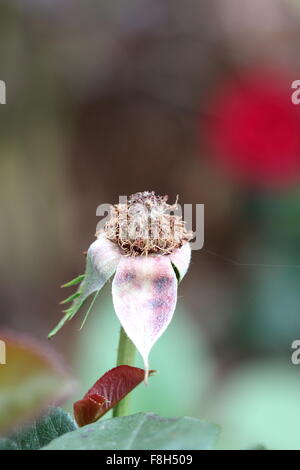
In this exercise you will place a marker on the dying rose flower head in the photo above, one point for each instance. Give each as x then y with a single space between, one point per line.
147 225
145 244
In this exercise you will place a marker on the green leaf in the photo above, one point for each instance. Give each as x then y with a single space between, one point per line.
38 434
258 447
8 444
140 431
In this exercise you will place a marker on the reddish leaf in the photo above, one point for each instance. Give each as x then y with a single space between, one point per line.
111 388
89 409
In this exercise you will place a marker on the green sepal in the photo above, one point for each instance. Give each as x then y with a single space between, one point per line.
101 262
75 281
70 312
70 298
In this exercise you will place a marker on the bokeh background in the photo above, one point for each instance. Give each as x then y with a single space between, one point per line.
107 98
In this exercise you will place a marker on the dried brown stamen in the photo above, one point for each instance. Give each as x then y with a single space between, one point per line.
146 225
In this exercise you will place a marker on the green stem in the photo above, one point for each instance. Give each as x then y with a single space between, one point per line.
126 356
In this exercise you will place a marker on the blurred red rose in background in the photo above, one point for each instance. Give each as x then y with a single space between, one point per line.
255 129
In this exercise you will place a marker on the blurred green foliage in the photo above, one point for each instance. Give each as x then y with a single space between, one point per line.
181 357
259 402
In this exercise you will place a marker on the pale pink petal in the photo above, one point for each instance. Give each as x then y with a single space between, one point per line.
144 294
181 258
103 257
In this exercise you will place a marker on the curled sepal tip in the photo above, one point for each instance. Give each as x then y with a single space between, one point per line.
180 259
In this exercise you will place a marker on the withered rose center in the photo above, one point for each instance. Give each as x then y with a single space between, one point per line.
146 224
